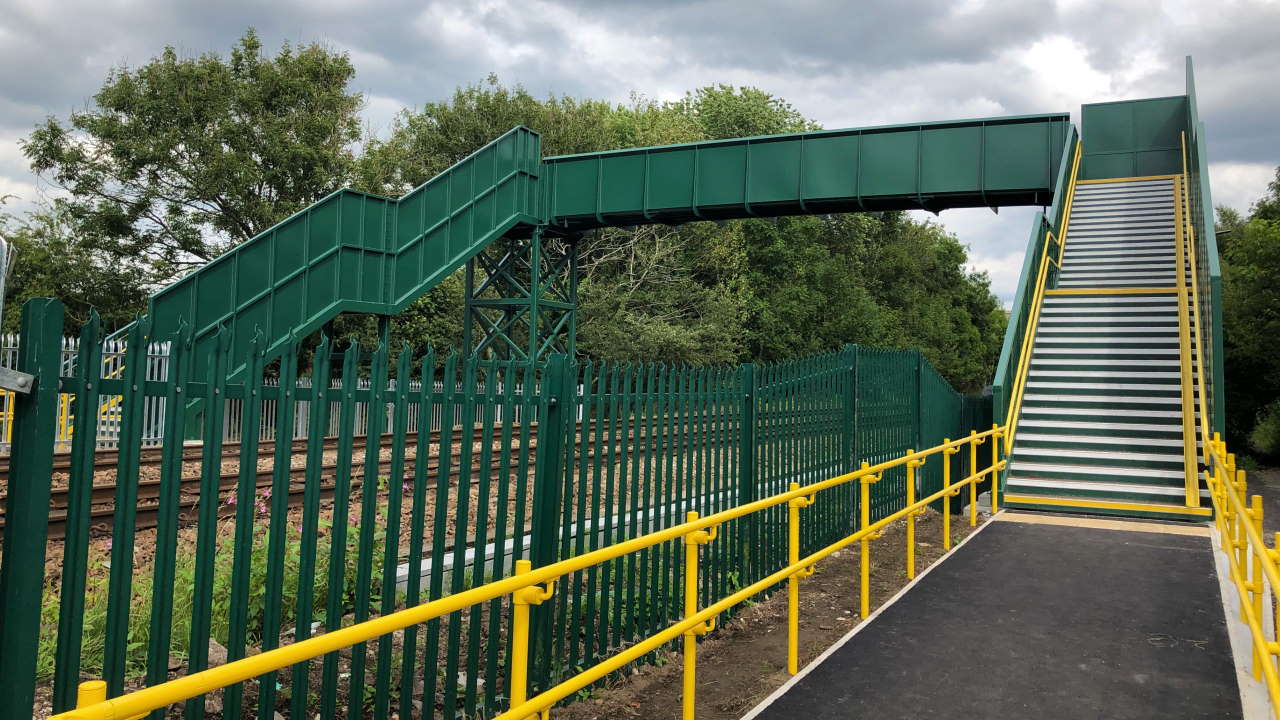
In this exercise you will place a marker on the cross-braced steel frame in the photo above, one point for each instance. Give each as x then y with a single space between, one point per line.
522 297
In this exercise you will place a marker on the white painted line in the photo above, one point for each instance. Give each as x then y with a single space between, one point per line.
1254 702
862 625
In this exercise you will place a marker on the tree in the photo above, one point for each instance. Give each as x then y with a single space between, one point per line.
182 158
1250 250
423 143
50 264
723 111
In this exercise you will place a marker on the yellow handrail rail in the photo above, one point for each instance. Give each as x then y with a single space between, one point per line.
1252 564
1191 479
524 587
1033 319
1189 234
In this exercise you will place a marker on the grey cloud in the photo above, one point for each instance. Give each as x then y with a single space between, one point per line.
842 63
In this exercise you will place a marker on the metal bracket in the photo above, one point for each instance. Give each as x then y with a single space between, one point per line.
16 381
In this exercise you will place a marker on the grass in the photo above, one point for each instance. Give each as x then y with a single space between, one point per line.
183 593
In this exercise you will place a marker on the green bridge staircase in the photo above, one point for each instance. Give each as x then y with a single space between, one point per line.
1111 371
1101 425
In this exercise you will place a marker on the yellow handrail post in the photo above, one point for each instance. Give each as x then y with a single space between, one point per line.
691 543
995 474
1219 482
1242 535
1256 583
793 582
911 517
865 585
974 442
91 692
946 499
521 600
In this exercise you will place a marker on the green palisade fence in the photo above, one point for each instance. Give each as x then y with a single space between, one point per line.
225 556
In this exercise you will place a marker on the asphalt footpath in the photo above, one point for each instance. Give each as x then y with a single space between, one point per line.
1039 616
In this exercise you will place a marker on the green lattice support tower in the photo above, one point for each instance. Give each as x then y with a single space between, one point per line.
521 297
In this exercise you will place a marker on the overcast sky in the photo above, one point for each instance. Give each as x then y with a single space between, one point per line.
843 64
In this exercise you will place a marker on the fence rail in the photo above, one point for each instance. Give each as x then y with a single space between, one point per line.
157 358
620 452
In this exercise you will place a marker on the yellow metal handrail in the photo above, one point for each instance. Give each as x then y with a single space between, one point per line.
1190 235
532 586
1253 565
1033 319
1191 480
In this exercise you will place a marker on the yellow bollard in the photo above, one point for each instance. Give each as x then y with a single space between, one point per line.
793 582
995 474
865 585
911 516
91 692
946 499
691 542
521 600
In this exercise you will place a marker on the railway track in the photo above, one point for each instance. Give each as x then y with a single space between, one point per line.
102 495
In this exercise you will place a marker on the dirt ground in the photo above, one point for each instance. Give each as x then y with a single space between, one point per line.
740 664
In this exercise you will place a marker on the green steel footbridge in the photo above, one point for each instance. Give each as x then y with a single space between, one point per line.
552 513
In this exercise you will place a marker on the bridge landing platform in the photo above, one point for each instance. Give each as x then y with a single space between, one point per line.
1040 616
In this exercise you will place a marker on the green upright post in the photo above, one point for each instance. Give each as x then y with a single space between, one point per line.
849 425
919 400
747 465
557 406
27 505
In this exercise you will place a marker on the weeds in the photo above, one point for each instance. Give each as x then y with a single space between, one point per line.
96 584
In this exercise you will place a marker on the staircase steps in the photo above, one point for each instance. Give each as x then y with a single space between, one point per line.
1100 428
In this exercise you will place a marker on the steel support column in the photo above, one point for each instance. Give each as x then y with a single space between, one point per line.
521 298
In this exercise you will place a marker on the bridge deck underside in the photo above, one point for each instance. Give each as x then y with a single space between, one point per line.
1044 621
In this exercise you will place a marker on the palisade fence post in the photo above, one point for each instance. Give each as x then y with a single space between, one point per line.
849 424
747 469
556 407
27 505
919 399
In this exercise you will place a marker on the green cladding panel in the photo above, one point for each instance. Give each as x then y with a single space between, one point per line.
1133 138
356 252
934 166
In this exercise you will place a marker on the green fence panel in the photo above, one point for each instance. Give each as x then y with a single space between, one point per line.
457 469
25 530
79 499
1208 264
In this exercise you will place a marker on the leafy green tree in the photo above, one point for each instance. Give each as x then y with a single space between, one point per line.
49 263
723 111
180 159
1250 251
423 143
1268 206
